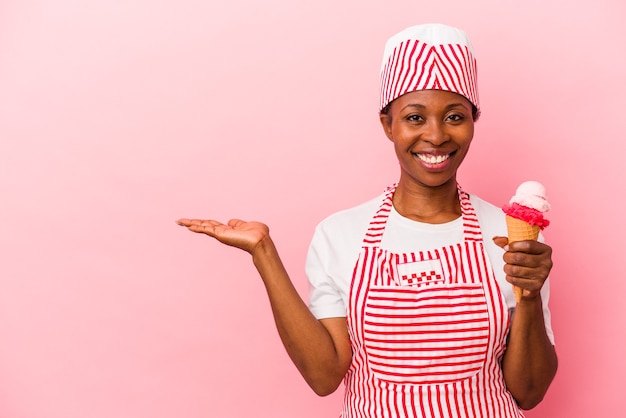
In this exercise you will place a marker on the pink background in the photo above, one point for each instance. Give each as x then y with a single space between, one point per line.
118 117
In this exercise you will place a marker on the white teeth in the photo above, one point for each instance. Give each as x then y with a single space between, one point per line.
432 159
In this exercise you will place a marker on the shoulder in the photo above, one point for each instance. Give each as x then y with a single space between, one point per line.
346 228
484 207
490 217
357 217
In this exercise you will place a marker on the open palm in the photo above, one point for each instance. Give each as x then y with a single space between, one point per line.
236 233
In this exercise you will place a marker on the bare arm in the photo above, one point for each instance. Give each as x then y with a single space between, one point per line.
320 349
530 361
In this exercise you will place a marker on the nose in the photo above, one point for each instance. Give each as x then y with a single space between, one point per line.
434 132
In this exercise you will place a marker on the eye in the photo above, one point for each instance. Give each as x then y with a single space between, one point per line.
414 118
455 117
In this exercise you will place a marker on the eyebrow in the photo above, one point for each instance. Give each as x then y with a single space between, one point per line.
421 106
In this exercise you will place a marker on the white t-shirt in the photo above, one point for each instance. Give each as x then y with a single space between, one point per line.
338 239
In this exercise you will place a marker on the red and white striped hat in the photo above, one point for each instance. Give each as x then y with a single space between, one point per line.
428 57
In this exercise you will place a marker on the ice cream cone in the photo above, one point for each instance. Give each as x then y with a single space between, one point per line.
524 216
519 230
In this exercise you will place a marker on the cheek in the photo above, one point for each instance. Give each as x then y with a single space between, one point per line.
467 135
398 149
465 149
403 155
402 144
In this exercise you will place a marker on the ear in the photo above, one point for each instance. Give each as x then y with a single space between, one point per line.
385 120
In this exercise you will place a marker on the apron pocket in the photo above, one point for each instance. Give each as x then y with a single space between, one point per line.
437 334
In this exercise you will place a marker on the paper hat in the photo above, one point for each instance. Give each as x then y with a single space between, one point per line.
428 57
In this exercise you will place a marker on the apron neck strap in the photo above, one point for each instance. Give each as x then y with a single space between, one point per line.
374 234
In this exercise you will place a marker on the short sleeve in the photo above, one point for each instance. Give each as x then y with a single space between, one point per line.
331 258
326 298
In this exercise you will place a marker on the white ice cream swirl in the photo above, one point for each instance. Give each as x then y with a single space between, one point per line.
531 194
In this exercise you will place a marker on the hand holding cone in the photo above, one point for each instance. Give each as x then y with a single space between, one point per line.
524 216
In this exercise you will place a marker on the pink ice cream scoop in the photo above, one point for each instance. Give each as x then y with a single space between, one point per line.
529 204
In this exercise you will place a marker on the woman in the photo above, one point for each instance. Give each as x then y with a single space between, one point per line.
410 303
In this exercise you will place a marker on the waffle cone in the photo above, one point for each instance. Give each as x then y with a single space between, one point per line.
519 230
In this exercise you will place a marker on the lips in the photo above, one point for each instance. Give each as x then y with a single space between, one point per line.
433 159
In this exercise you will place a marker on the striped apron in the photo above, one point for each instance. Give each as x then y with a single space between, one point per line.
428 329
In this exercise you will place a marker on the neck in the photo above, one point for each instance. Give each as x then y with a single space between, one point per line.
433 205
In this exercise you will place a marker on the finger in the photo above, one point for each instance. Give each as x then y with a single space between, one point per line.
530 283
531 279
541 262
501 242
522 259
530 267
189 222
530 247
203 226
525 272
235 222
528 286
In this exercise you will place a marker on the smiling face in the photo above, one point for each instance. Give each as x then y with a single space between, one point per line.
431 131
